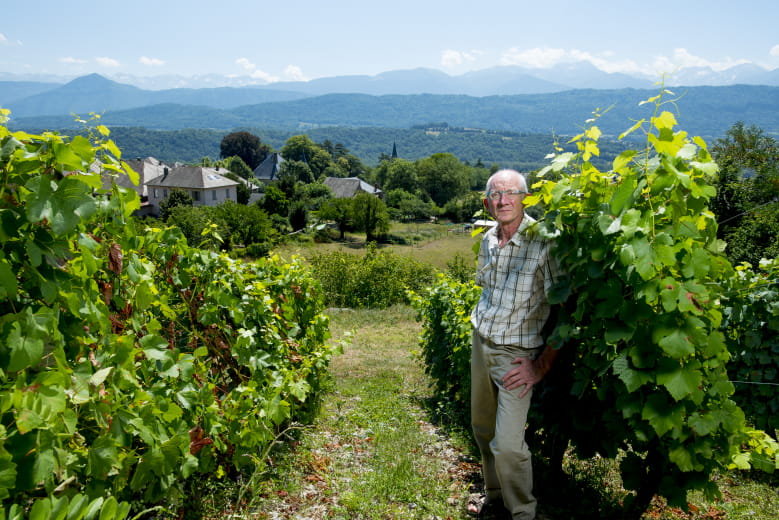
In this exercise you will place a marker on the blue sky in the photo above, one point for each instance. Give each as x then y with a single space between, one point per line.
302 40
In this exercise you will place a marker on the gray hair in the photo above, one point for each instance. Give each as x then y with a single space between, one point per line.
501 173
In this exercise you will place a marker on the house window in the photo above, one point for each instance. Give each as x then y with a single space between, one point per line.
165 193
156 193
213 195
196 196
227 193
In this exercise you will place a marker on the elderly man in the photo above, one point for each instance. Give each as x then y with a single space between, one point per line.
515 271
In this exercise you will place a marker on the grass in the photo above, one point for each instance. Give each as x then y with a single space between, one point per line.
371 453
435 244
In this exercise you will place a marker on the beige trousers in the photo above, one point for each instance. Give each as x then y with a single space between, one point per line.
498 418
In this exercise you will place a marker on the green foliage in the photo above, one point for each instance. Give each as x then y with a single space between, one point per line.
131 362
339 211
405 206
639 317
369 214
464 208
444 308
443 177
298 215
237 165
245 145
375 279
275 201
177 197
645 273
747 200
751 311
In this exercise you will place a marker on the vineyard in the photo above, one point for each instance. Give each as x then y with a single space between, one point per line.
656 326
133 364
130 362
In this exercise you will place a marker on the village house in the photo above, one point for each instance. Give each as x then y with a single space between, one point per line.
349 187
268 169
207 186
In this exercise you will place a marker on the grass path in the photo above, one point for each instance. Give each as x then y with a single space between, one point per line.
371 453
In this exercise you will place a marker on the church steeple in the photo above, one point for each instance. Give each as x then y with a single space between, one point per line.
394 151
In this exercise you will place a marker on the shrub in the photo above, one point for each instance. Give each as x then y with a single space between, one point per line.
444 308
375 279
752 327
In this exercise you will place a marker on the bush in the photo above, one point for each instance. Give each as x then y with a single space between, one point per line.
375 279
444 308
752 327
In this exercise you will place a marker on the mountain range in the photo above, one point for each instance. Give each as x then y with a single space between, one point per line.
506 80
516 99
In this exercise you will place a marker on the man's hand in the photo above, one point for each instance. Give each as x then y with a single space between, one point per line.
528 372
525 373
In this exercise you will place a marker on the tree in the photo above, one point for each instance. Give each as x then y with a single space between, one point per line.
237 165
747 200
298 215
245 145
297 170
407 206
176 198
462 209
401 174
370 215
338 211
247 224
314 195
301 148
443 177
275 202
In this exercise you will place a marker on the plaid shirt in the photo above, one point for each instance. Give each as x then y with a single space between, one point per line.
515 280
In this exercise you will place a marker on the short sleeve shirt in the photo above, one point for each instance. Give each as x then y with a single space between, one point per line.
515 280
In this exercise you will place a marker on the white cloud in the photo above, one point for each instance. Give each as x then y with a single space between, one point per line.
539 58
682 58
451 58
774 50
5 41
256 73
107 62
294 73
72 61
245 64
608 61
152 62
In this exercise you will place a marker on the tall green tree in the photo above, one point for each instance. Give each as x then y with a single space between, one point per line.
339 211
275 201
443 177
401 174
245 145
239 167
301 148
370 215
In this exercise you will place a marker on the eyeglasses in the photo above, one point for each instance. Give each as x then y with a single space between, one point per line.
509 194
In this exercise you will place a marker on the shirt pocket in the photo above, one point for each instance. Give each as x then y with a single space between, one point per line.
485 274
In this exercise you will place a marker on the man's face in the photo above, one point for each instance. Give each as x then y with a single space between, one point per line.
507 209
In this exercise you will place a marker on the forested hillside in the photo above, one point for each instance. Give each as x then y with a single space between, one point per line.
706 111
509 149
